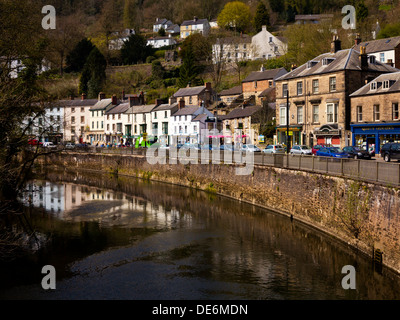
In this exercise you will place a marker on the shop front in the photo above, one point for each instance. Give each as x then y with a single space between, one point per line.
328 135
374 135
296 137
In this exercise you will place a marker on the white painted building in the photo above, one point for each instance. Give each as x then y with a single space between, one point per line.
159 42
161 124
115 121
161 24
268 46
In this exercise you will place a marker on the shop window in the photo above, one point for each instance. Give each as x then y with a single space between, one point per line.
395 112
376 113
359 114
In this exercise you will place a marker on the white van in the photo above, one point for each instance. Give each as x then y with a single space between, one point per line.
49 145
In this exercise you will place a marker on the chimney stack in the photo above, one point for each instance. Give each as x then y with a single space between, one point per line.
83 96
114 100
390 62
195 18
71 97
358 39
158 102
363 58
141 98
181 104
293 67
336 44
102 96
133 101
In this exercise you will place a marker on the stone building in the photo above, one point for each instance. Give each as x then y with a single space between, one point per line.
318 93
375 112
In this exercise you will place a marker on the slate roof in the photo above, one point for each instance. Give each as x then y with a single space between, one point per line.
160 21
194 22
347 59
242 112
267 92
190 91
232 91
162 107
141 109
121 108
234 40
379 45
200 117
394 82
78 102
263 75
101 105
187 110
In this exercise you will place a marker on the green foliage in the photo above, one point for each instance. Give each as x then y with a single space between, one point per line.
161 32
135 50
261 17
94 74
361 11
76 59
235 15
189 70
199 46
389 30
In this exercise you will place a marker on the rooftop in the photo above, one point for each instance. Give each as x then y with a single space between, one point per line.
189 91
243 112
379 45
187 110
270 74
121 108
232 91
141 109
393 85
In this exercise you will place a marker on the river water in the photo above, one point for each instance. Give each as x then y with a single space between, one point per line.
124 238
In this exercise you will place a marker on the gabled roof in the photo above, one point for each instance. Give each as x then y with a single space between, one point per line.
243 112
194 22
141 109
187 110
379 45
189 91
200 117
270 74
161 21
267 92
78 103
121 108
232 91
394 85
347 59
101 105
163 107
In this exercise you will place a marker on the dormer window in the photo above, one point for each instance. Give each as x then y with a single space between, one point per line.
311 64
372 59
373 85
326 61
386 84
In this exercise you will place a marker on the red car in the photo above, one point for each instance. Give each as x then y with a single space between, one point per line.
34 142
318 147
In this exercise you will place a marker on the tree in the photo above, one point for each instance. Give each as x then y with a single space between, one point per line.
189 70
390 30
94 74
235 15
76 59
200 47
135 49
361 11
261 17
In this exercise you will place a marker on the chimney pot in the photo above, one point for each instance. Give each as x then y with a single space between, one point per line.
181 104
114 100
363 58
336 44
102 96
83 96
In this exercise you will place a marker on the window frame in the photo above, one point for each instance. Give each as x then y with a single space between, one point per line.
331 89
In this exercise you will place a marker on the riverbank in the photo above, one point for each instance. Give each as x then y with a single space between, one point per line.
366 216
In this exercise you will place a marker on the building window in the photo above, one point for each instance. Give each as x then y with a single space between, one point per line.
82 119
299 88
376 112
373 86
72 119
331 113
315 114
102 124
92 124
82 109
359 114
284 90
315 86
386 84
300 114
108 127
72 110
395 108
165 114
282 115
155 115
190 100
332 84
382 57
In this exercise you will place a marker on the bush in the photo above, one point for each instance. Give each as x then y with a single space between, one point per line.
150 59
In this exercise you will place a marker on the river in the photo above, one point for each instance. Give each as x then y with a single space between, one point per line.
125 238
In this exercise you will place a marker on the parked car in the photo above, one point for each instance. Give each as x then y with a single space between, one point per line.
390 151
250 148
318 147
49 145
70 146
193 146
34 142
274 148
333 152
301 150
357 153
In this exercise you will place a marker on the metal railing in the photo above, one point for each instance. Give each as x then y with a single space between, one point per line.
364 170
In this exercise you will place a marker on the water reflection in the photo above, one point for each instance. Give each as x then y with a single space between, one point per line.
121 238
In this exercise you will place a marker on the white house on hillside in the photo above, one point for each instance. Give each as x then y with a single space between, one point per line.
159 42
161 24
268 46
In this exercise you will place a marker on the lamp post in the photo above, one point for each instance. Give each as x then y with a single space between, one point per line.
287 120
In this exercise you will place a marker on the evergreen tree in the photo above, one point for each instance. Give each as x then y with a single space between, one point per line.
261 17
135 50
277 5
94 74
76 59
361 11
188 71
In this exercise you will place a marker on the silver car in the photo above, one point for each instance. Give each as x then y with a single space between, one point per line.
274 148
301 150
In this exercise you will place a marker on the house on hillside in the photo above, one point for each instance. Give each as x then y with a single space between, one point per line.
258 81
159 42
232 49
385 50
195 95
119 38
161 24
231 95
318 93
268 46
196 25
